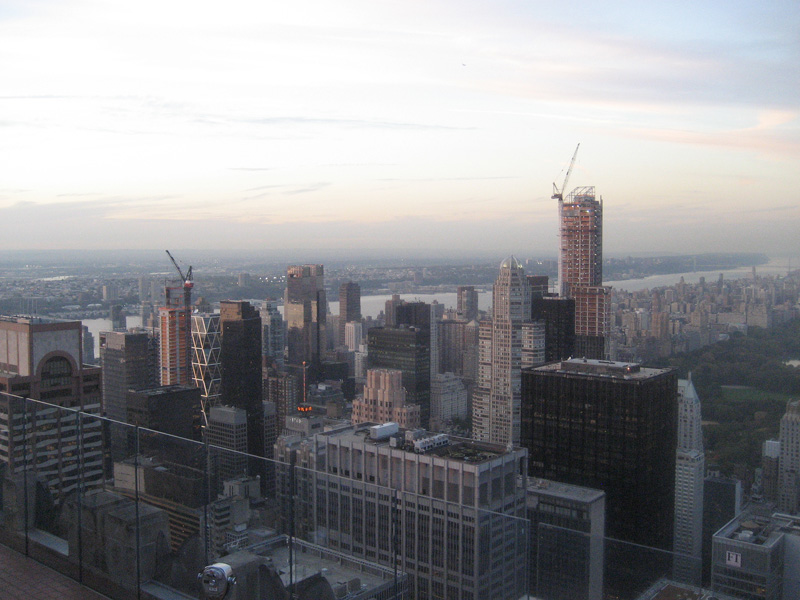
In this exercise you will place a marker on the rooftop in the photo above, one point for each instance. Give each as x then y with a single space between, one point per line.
603 368
564 491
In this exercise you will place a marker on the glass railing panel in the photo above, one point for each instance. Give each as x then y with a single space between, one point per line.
108 540
55 478
170 477
18 491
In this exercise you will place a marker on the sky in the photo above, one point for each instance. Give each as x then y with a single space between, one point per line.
434 126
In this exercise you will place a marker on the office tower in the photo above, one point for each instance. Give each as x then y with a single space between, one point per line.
41 359
170 409
508 344
408 350
413 314
558 315
305 310
349 306
284 391
240 358
206 365
127 362
467 302
119 320
272 334
750 554
789 462
449 400
353 336
722 501
174 321
567 537
611 426
227 428
385 400
770 471
580 268
540 285
459 506
690 467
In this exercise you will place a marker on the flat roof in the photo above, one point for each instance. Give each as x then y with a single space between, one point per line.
590 367
460 449
565 491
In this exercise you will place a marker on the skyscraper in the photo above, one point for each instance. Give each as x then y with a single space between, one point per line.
272 333
206 365
611 426
41 359
580 268
240 358
349 306
689 475
174 321
408 350
458 506
511 341
128 363
789 462
305 310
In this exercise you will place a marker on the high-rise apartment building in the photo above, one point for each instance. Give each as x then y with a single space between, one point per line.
449 400
580 268
457 506
510 342
690 467
305 310
385 400
174 321
610 426
206 360
240 358
408 350
41 359
789 462
349 306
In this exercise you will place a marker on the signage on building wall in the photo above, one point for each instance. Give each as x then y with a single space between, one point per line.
733 559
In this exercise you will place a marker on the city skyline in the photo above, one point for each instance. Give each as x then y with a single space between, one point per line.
429 127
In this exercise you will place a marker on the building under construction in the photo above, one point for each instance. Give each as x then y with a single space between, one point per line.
580 268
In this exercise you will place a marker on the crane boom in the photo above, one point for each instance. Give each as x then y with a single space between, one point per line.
559 195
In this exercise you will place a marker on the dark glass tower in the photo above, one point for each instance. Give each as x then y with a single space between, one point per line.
349 306
408 350
240 359
610 426
558 315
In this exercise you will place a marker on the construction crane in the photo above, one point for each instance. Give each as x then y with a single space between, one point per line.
188 284
559 195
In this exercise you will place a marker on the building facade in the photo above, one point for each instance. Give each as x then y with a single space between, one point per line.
789 462
510 342
349 306
610 426
41 359
385 400
456 507
580 268
305 310
690 468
